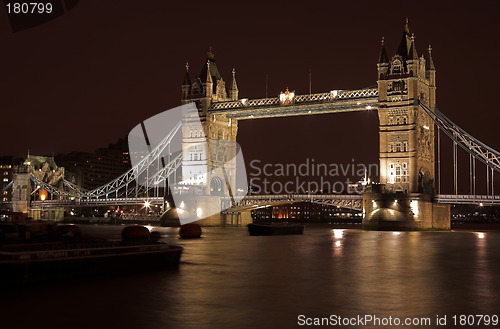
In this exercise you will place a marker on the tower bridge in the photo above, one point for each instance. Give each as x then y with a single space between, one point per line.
202 174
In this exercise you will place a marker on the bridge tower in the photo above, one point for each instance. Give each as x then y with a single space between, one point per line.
201 159
407 163
406 132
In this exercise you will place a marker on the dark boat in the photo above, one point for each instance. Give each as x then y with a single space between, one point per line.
32 261
275 229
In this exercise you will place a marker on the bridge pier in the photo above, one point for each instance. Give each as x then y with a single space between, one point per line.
404 212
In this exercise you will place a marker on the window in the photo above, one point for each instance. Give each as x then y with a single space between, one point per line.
398 173
405 148
5 179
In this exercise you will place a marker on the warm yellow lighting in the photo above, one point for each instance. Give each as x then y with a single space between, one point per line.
43 194
368 107
286 98
481 204
147 204
481 235
414 207
426 127
396 233
198 212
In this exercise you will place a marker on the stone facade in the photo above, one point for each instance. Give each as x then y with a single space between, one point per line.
406 132
200 158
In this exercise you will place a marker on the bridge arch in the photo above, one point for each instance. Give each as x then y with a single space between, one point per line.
216 186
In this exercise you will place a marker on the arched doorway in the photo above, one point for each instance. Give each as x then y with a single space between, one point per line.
216 186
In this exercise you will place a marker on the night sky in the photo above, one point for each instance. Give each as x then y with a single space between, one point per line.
87 78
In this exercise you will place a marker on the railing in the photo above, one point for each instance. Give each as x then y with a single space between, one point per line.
468 199
352 201
334 95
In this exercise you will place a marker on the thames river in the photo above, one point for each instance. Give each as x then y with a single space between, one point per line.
228 279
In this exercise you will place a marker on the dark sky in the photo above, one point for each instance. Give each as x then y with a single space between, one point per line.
87 78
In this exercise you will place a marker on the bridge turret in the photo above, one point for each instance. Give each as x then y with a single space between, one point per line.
233 92
430 69
209 85
383 62
412 63
186 84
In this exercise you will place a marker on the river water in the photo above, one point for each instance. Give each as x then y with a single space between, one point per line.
228 279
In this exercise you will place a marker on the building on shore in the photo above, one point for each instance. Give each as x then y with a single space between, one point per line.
91 170
304 211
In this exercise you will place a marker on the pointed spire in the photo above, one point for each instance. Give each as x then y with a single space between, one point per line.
405 44
383 54
429 64
234 86
412 54
233 92
209 76
187 79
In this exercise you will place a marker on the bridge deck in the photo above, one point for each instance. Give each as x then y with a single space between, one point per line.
335 101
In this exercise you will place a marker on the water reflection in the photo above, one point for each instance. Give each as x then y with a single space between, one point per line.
231 280
338 236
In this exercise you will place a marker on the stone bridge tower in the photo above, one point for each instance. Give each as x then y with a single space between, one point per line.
406 132
200 158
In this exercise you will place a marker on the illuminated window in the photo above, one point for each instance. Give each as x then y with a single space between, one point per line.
398 172
5 179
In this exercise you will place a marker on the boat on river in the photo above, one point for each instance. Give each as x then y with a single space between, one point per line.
61 256
275 229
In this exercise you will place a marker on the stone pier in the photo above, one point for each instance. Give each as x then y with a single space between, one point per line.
404 212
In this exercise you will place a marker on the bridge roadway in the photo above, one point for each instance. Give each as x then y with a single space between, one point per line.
350 201
331 102
97 202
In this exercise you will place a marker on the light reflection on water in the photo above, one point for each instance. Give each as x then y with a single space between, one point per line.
228 279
